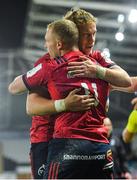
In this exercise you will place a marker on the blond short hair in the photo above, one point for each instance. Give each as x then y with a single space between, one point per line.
66 31
80 17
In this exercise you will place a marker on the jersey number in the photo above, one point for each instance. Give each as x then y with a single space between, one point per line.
87 91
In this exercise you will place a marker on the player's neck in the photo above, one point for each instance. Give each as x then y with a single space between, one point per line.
62 52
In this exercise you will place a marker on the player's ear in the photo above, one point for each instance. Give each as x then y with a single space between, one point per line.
59 45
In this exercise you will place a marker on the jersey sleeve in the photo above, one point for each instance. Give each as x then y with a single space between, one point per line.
102 59
132 122
36 77
43 59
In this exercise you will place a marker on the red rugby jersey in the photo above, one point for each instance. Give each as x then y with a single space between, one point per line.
84 125
102 59
41 129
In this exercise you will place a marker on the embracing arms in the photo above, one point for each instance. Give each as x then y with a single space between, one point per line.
130 89
38 104
86 68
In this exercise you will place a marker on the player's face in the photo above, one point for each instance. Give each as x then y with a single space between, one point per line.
87 37
51 44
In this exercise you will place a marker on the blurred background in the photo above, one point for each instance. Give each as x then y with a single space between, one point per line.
22 29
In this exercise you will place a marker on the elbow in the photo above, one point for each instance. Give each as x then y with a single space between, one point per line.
12 90
30 107
29 111
32 112
127 82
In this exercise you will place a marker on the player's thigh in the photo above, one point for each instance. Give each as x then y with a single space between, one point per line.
38 158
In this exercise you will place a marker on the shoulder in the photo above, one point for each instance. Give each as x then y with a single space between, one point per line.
43 59
102 59
96 54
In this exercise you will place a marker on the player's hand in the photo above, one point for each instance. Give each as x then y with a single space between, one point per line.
84 68
75 102
134 102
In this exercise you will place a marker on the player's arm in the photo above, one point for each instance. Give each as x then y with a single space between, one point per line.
134 103
29 81
38 105
129 89
131 127
127 136
115 75
17 86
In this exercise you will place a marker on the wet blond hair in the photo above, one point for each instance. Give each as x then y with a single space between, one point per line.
80 16
66 31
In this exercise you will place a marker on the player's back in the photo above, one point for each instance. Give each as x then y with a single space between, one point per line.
86 124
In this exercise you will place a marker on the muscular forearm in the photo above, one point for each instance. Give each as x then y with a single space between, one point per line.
117 77
130 89
37 105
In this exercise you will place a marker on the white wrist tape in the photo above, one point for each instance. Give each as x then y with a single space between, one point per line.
60 105
101 72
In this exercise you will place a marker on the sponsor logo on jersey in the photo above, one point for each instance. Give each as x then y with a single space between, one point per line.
83 157
34 70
